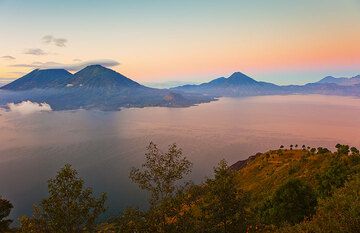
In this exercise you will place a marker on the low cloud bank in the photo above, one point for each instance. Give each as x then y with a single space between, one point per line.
27 107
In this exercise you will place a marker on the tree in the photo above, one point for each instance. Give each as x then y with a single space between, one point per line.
334 177
313 150
70 207
282 147
161 171
338 213
5 208
291 203
322 150
132 220
354 151
224 203
342 149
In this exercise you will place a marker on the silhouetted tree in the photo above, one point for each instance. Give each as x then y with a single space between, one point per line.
5 208
161 171
342 149
313 150
322 150
354 151
224 203
69 208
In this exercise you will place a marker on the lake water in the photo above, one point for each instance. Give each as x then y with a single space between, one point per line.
103 146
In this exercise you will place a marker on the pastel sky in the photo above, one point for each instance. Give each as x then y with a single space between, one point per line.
280 41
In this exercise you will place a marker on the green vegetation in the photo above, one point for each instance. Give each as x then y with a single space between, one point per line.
338 213
5 208
160 172
223 204
291 203
283 190
69 208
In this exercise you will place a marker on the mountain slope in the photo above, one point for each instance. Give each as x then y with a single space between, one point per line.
41 79
263 173
238 84
236 79
97 76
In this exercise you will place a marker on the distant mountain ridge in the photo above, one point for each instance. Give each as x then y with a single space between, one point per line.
94 87
93 76
341 81
97 87
237 84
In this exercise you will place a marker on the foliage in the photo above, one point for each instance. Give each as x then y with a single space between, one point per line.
313 150
354 151
5 208
322 150
334 177
224 202
338 213
69 208
342 149
132 220
161 171
291 203
106 228
294 169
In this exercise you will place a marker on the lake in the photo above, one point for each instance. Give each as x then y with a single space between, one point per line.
103 146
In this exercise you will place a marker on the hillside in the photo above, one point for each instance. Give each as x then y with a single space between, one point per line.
326 172
97 76
41 79
264 173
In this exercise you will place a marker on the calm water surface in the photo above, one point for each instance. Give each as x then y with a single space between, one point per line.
103 146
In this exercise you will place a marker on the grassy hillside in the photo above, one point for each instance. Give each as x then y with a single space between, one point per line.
324 171
339 213
263 174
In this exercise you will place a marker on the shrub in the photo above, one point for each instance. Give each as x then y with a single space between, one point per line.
291 203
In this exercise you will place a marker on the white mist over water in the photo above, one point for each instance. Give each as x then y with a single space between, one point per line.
28 107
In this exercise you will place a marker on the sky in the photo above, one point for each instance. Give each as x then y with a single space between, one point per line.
279 41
